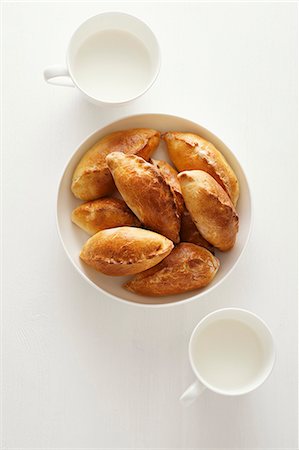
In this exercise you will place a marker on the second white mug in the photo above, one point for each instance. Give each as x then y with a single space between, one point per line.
231 352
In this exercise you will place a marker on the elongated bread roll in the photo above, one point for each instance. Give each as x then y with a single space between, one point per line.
210 208
189 151
146 193
188 267
171 177
104 213
190 233
92 178
125 250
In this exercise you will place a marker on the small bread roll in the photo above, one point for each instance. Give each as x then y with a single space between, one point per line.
146 193
189 151
92 178
190 233
125 250
210 208
104 213
171 177
188 267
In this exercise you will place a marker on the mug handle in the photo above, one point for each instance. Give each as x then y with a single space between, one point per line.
60 72
192 392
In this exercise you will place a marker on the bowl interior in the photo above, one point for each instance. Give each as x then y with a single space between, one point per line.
73 237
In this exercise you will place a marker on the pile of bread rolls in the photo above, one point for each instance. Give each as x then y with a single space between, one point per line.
166 226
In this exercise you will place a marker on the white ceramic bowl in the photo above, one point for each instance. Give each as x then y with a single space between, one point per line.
73 237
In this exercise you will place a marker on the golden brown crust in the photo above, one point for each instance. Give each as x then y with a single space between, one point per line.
146 193
171 177
210 208
125 250
92 178
190 233
189 151
104 213
188 267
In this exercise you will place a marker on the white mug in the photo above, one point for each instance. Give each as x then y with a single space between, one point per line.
231 352
112 58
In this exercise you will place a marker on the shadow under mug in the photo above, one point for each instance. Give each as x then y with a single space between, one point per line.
231 352
119 59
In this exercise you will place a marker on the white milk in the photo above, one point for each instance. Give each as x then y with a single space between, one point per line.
228 354
112 65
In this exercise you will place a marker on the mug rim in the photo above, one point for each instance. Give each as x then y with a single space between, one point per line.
222 391
149 84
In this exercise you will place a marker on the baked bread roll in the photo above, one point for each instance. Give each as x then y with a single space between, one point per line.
190 233
104 213
188 267
125 250
191 152
92 178
210 208
171 177
146 193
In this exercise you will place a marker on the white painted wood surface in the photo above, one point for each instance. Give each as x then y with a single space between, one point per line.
79 370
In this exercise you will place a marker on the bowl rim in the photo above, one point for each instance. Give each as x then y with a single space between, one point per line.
139 304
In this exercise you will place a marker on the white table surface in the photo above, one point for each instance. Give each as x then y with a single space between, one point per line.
83 371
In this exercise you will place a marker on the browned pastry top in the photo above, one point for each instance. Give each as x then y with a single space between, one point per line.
210 208
171 177
125 250
188 267
91 178
103 213
146 193
188 151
